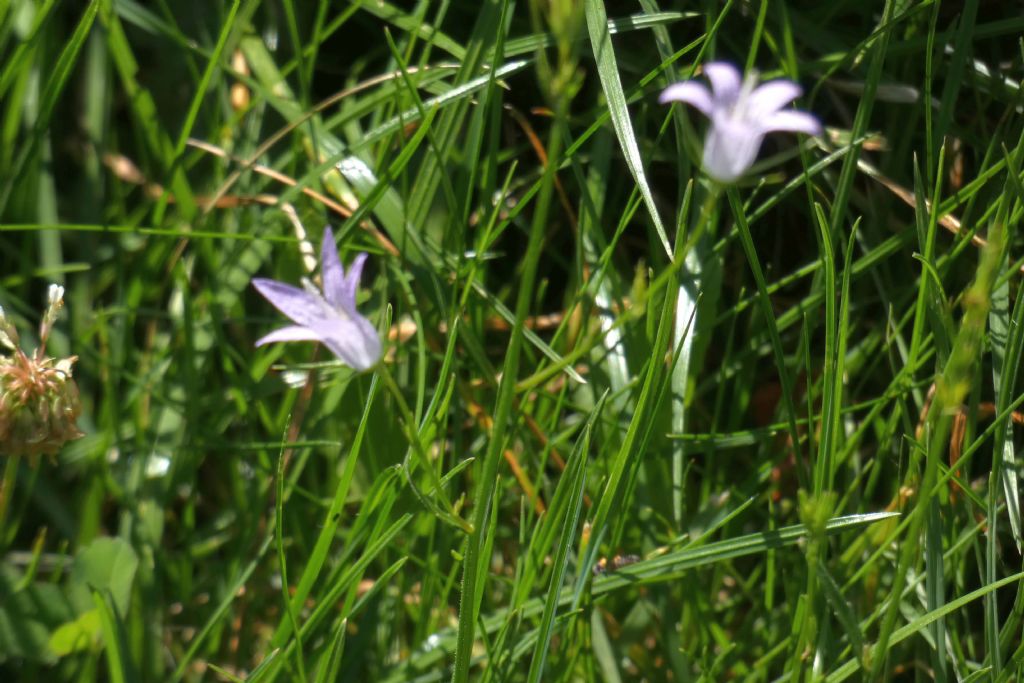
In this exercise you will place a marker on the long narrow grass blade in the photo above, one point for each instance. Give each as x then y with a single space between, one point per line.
608 70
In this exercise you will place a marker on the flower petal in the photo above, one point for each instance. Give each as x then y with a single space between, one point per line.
691 92
770 97
351 284
354 340
302 307
725 82
290 333
792 121
730 148
330 270
331 317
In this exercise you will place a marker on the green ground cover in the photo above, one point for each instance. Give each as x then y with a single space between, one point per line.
628 423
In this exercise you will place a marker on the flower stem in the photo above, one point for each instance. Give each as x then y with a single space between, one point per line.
710 202
6 493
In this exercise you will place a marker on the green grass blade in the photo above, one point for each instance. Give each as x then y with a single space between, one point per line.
919 624
608 70
143 107
119 666
212 66
55 84
576 472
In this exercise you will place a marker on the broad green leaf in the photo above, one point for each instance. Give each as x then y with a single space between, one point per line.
106 564
75 636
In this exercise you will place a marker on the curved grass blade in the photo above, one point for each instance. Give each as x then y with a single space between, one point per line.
608 70
539 41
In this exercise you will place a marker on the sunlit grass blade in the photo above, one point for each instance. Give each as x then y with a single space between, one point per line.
917 625
608 69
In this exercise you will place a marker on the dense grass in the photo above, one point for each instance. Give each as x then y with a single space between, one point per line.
627 427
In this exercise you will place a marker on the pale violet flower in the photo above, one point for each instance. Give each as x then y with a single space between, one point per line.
741 114
329 317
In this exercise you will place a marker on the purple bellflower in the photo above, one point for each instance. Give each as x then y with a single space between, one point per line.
329 317
741 114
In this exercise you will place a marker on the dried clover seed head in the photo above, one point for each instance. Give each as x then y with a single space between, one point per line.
39 403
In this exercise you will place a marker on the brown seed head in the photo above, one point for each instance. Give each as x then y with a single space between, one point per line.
39 403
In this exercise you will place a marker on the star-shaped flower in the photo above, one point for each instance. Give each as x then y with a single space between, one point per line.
329 317
741 114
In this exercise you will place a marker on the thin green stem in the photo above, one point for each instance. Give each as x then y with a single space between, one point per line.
412 435
6 494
